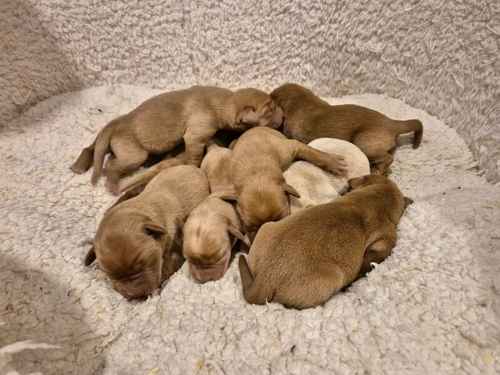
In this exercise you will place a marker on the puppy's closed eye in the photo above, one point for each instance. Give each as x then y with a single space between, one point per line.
154 231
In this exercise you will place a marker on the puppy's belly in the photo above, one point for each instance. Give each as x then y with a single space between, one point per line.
317 186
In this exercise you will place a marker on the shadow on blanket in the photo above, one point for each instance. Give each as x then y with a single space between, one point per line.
34 307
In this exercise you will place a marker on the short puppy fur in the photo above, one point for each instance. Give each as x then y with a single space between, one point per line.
161 123
308 117
317 186
210 233
139 240
259 158
213 227
302 260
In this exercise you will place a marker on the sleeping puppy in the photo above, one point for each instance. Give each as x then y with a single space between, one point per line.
316 186
138 241
302 260
259 158
213 227
210 233
217 164
161 123
308 117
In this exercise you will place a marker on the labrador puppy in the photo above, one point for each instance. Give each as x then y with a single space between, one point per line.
210 233
302 260
317 186
161 123
307 117
259 158
139 240
213 227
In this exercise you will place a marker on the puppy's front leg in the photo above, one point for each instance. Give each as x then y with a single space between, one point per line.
331 162
196 142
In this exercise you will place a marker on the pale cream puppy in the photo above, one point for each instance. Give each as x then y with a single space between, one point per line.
317 186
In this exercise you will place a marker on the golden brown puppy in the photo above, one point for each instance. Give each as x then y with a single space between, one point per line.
210 232
217 166
138 242
159 124
308 117
259 158
302 260
213 227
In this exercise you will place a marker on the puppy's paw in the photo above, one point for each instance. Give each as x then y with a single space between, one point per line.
75 168
337 165
113 187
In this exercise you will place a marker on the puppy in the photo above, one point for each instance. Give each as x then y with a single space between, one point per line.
159 124
259 158
210 233
213 227
138 242
316 186
217 164
302 260
308 117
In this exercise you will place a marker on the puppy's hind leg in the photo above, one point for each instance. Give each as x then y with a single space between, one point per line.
378 147
129 156
312 291
377 252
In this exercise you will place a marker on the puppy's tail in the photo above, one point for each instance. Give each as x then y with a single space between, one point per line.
141 179
251 291
101 149
411 126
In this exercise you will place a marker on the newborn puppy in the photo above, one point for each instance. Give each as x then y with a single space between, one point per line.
302 260
213 227
159 124
308 117
210 233
259 158
138 242
316 186
217 164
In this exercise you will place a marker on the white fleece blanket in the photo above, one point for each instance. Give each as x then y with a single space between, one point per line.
431 308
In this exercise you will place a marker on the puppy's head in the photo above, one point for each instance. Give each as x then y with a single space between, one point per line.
375 179
256 108
130 250
259 203
288 94
208 241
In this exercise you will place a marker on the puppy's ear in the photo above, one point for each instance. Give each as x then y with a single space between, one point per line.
154 230
408 201
356 182
90 257
236 233
248 115
291 190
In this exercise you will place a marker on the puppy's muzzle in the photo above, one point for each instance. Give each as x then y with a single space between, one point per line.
210 272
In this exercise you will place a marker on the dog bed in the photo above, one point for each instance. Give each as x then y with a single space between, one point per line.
432 307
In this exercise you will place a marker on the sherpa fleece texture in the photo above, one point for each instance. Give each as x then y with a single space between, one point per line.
431 308
441 56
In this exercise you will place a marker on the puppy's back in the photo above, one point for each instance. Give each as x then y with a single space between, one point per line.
188 184
303 259
216 166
